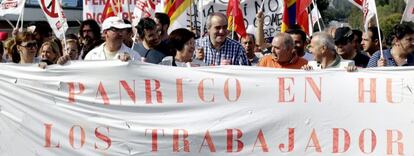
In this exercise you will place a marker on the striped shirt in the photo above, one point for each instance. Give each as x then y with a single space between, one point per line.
231 51
389 59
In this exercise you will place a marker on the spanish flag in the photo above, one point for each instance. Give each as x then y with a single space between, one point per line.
296 12
175 8
235 13
289 14
111 9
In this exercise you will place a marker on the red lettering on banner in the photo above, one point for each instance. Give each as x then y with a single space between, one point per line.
104 138
230 140
347 140
201 90
315 142
362 141
128 89
179 84
72 137
48 137
226 90
72 92
390 141
282 89
176 136
102 92
148 91
209 140
372 91
260 137
154 138
291 142
389 91
316 90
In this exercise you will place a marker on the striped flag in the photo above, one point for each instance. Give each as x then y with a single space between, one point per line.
112 8
289 14
296 12
235 15
176 10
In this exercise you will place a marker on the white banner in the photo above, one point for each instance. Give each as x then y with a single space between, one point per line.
115 108
54 14
11 7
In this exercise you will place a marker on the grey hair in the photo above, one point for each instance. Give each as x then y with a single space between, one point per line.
287 40
324 39
210 16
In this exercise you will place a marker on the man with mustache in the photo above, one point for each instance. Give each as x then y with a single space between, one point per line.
90 36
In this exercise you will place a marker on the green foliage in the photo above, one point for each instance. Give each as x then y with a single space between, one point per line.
388 22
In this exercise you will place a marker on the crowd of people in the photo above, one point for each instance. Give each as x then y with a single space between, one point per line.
340 47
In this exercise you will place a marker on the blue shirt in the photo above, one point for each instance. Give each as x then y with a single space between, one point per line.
230 50
388 57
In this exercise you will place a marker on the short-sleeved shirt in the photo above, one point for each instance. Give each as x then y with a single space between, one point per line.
231 50
98 53
270 61
390 60
151 55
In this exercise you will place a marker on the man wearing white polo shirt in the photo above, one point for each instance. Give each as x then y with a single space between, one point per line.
113 48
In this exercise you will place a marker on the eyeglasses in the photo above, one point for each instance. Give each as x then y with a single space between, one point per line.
115 29
29 45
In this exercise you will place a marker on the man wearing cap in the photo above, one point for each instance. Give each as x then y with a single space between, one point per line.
348 48
113 47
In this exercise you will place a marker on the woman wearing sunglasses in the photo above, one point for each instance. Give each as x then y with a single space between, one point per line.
26 47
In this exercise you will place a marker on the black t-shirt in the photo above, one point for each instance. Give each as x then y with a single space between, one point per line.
361 60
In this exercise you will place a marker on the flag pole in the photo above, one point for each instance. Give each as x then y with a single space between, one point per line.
232 33
191 15
379 32
202 18
8 21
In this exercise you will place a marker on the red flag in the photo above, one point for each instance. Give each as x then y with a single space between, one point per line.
302 14
235 13
357 3
289 14
109 9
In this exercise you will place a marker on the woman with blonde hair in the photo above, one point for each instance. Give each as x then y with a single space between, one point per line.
49 52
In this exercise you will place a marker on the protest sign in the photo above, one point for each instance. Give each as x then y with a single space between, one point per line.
11 7
115 108
54 14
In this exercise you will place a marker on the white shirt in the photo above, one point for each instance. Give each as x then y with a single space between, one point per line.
98 53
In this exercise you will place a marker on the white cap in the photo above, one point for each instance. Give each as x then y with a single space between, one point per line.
115 22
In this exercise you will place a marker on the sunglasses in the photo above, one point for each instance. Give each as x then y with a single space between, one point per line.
115 29
29 45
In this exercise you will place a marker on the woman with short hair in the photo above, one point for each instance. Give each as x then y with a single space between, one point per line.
181 43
